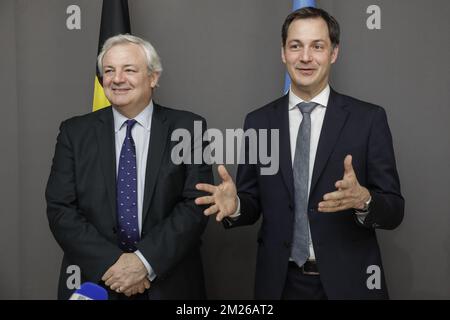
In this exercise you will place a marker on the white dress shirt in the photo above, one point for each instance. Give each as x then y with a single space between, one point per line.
141 136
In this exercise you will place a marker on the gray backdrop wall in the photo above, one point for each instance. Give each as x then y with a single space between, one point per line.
221 60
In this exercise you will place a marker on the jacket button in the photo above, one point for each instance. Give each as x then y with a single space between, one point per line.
287 244
291 207
311 210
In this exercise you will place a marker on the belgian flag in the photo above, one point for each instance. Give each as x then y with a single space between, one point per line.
115 20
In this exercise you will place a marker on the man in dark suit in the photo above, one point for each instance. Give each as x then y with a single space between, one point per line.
119 207
337 181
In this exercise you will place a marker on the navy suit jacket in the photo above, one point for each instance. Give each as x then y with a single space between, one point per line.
81 204
344 247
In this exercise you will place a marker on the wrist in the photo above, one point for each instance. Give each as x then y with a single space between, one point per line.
365 204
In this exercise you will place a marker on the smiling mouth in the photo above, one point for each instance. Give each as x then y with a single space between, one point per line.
120 90
306 71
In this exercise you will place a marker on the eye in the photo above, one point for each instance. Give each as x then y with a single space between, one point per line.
318 47
130 70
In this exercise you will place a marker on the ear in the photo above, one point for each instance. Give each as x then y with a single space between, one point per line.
283 58
154 77
334 54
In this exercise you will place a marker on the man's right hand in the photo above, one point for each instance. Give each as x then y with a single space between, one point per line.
222 199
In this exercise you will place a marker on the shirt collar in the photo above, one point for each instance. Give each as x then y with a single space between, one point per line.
144 118
321 98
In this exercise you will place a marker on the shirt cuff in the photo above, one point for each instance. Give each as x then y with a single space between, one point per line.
151 274
361 216
237 213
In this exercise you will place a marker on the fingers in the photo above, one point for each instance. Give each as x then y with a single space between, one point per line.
223 173
348 167
333 209
116 287
343 184
205 187
211 210
141 289
137 288
204 200
336 201
130 292
110 281
125 286
145 284
221 215
336 195
107 275
334 205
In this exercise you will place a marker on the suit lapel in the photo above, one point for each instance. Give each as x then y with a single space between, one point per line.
107 151
158 141
334 121
281 121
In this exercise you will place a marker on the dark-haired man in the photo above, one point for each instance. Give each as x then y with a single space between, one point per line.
337 181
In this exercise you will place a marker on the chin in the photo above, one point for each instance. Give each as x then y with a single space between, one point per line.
301 83
120 102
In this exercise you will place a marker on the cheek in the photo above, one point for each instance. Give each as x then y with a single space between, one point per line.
290 63
324 60
106 82
291 58
136 82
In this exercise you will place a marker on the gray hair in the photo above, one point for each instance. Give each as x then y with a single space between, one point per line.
153 60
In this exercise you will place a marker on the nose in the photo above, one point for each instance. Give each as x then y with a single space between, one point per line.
306 55
118 77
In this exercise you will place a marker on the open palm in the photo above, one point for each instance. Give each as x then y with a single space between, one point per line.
222 198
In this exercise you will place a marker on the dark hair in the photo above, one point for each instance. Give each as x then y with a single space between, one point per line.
308 13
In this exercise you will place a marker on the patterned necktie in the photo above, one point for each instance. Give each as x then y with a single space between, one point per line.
300 246
127 193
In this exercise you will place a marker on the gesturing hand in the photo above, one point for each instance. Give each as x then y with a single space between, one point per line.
350 194
223 198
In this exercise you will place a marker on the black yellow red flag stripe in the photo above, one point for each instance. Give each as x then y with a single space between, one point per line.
115 20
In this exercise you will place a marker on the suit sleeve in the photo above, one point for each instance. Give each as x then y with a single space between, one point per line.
176 236
387 207
247 187
78 238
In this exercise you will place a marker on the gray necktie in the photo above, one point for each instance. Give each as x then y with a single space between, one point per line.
300 245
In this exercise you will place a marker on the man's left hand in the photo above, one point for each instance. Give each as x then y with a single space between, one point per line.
125 273
349 195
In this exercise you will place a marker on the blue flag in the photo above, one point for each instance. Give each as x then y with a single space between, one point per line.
297 4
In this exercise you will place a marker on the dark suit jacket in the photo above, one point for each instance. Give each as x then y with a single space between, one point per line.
344 248
81 204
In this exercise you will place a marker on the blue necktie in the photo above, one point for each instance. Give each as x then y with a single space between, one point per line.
300 246
127 194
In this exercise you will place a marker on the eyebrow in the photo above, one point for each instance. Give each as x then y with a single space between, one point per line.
125 66
313 41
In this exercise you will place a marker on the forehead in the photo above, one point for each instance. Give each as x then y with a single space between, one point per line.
125 53
309 29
